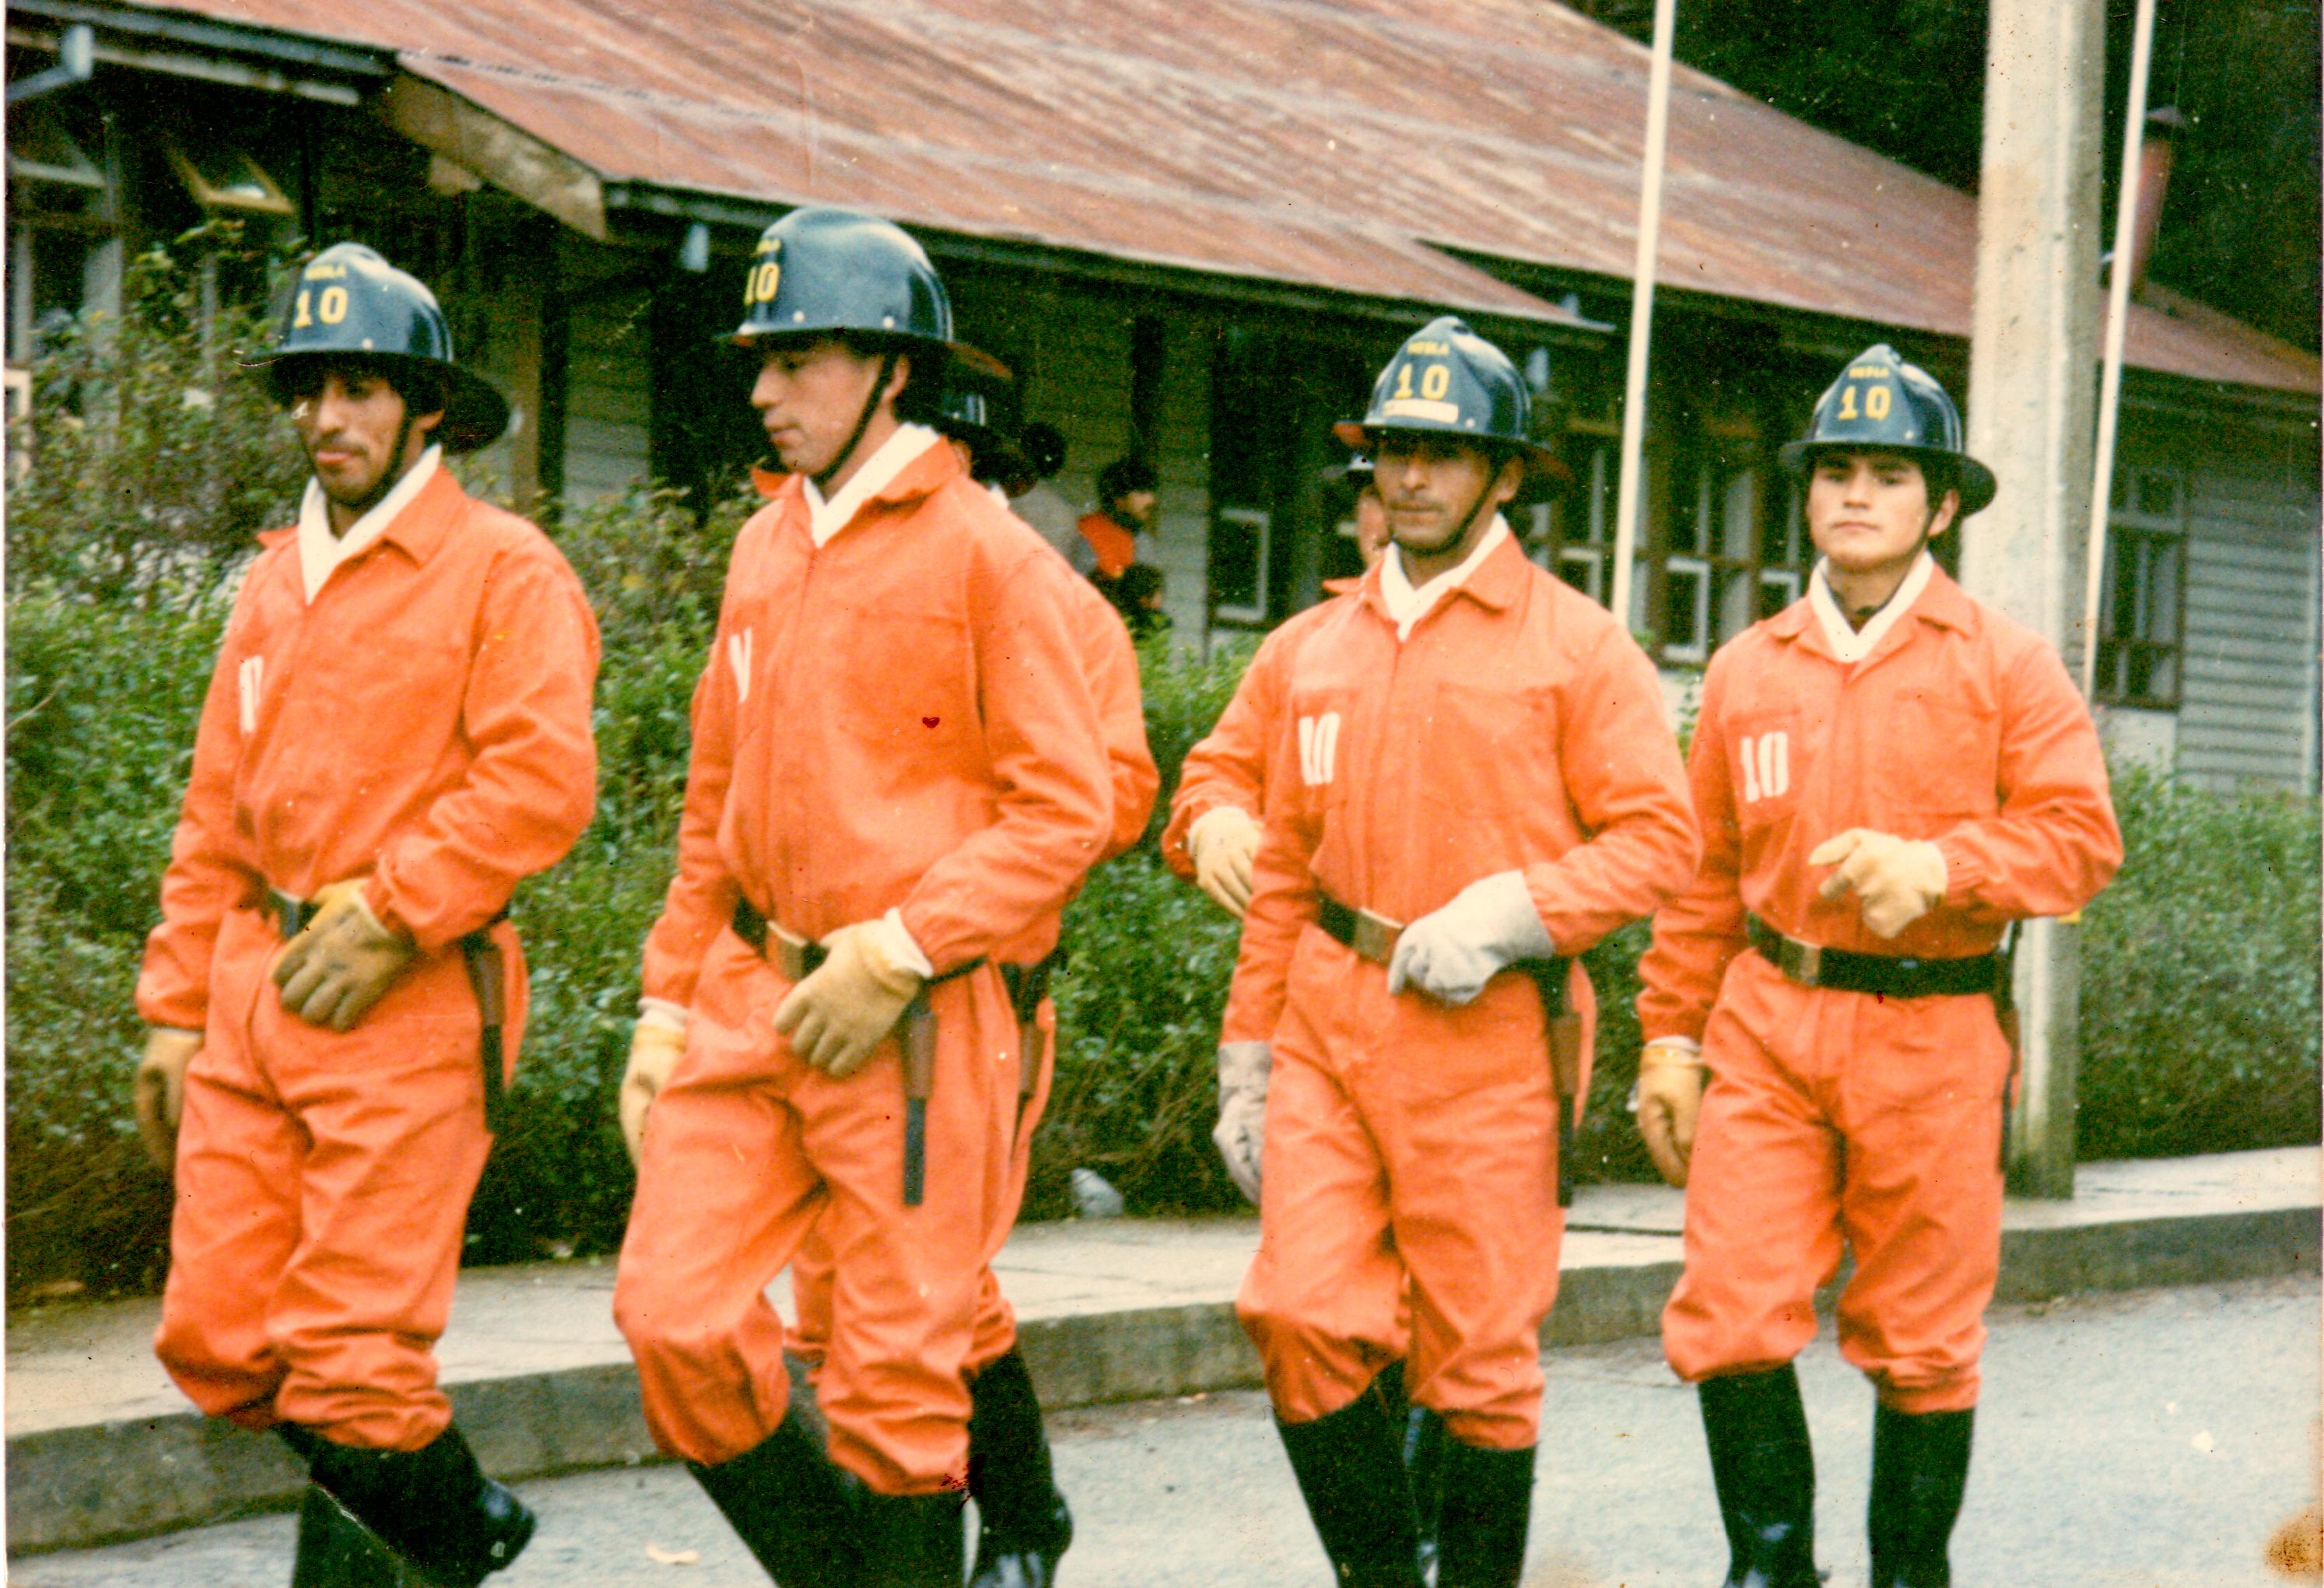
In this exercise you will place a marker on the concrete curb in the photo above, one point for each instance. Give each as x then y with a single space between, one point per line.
77 1486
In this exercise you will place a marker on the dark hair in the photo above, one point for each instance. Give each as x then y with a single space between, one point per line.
421 384
1123 475
1044 448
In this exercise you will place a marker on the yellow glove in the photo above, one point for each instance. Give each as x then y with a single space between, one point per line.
159 1091
1222 844
655 1048
1897 880
839 1014
343 962
1670 1096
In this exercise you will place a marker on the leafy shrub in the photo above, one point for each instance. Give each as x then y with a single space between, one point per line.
2199 1011
154 450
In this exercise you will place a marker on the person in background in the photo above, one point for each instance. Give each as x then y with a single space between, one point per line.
1126 495
1043 449
1138 596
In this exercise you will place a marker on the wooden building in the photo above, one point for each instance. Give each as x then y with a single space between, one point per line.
1195 229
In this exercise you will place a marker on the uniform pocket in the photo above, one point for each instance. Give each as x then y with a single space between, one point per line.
1933 764
1485 742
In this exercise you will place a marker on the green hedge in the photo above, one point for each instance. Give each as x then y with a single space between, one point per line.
2201 973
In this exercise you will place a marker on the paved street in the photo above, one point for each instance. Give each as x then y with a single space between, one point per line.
2149 1439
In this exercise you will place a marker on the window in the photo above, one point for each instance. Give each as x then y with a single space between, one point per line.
1728 563
2142 603
1576 531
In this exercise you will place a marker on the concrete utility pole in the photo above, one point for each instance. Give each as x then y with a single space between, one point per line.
2032 402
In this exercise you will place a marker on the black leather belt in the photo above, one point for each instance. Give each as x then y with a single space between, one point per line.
1890 976
487 978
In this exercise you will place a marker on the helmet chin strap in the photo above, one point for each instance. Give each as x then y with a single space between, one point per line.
862 422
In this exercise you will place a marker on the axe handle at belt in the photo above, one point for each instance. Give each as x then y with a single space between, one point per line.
488 978
1565 1023
920 1081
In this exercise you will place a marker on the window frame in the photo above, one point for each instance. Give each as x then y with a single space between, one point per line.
2129 526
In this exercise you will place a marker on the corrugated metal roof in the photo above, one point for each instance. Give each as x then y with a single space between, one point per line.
1326 144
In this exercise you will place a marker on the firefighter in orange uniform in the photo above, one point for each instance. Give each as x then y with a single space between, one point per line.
1214 813
1473 748
397 733
898 776
1888 773
1023 1523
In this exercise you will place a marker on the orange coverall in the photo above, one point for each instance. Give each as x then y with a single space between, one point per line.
897 719
1111 663
1230 766
425 720
1836 1116
1517 727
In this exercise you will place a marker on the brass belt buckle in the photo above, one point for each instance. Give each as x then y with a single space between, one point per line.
290 912
1803 962
788 951
1374 937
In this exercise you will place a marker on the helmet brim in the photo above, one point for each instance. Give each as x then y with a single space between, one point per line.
476 415
1972 479
993 457
970 365
1543 467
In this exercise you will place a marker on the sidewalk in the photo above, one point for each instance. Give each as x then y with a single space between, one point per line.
100 1445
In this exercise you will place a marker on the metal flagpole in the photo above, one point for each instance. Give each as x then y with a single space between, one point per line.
1642 311
2125 221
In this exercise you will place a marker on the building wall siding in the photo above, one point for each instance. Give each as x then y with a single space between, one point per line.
608 394
2248 702
1073 348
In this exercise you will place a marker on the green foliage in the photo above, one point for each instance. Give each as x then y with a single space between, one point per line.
156 457
2200 1013
102 702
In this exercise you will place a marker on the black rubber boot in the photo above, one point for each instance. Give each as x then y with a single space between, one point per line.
913 1540
1022 1522
1351 1471
433 1506
1764 1471
1920 1465
1424 1439
792 1507
1487 1502
336 1551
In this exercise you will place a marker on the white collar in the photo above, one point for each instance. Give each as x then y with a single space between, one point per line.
1850 644
826 518
1408 606
321 552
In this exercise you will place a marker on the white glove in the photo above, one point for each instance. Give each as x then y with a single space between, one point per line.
1897 880
1242 1130
1452 953
1222 843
